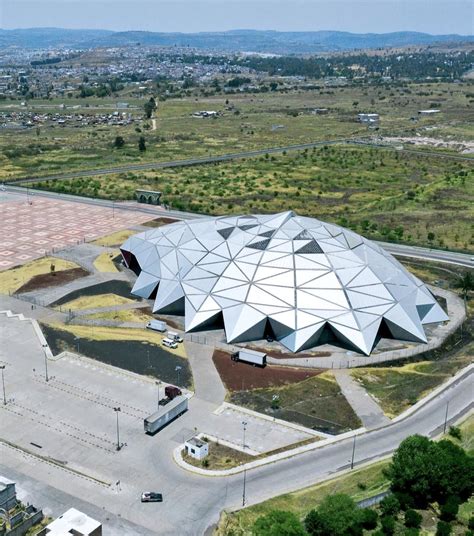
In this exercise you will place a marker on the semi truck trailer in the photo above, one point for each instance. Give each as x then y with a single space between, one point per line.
173 409
250 356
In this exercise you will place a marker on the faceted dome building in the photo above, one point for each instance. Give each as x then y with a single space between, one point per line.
299 280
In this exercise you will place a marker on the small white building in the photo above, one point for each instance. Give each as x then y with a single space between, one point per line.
368 118
429 112
196 448
74 522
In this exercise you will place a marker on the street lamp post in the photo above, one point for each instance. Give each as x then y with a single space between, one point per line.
446 417
119 446
243 492
2 367
45 362
177 369
353 452
244 424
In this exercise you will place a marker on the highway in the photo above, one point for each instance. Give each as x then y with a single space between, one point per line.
227 157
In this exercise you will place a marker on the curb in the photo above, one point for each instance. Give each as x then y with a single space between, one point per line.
318 444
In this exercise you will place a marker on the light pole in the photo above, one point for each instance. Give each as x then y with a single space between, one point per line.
77 339
2 367
45 362
244 424
119 446
243 492
446 417
353 452
177 369
158 383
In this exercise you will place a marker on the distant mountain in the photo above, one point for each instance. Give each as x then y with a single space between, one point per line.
231 41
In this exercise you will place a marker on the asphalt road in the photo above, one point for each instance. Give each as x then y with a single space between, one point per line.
226 157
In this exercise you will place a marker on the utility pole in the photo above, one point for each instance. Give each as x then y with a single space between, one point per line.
446 417
243 492
45 362
2 367
353 452
177 369
244 424
119 446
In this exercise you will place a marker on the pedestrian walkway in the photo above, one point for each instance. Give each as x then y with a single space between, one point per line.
367 409
207 382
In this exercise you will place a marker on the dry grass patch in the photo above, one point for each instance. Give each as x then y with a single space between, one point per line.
125 315
11 280
115 239
104 263
95 302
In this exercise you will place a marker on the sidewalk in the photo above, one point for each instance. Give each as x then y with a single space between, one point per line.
367 409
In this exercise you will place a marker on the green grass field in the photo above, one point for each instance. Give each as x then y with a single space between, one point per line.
316 403
381 193
249 121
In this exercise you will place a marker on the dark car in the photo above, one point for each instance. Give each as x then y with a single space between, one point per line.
151 496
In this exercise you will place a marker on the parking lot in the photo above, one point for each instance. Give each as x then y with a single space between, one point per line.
65 430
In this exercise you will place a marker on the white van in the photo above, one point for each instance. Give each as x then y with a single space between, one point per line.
169 343
174 336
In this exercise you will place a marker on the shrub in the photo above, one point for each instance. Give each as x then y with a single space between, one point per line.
470 523
443 528
278 523
455 432
388 525
389 505
368 519
412 519
449 509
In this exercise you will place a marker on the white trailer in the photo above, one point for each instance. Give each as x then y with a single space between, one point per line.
157 325
173 409
250 356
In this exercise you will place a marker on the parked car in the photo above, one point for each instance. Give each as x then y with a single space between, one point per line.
169 343
151 496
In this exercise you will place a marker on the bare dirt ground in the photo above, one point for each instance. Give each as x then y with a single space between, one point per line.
52 279
158 222
463 146
239 376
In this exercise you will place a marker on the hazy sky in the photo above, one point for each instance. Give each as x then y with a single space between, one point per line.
432 16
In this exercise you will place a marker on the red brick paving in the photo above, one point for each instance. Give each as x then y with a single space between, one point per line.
28 231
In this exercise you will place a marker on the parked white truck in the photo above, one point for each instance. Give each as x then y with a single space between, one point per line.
157 325
250 356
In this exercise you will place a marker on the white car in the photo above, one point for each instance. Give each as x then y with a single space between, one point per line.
169 343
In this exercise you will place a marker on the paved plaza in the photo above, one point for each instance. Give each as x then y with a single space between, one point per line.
33 226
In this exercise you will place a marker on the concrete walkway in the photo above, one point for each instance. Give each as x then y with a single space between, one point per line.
367 409
207 382
84 255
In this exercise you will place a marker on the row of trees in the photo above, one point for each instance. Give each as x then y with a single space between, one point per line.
422 472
